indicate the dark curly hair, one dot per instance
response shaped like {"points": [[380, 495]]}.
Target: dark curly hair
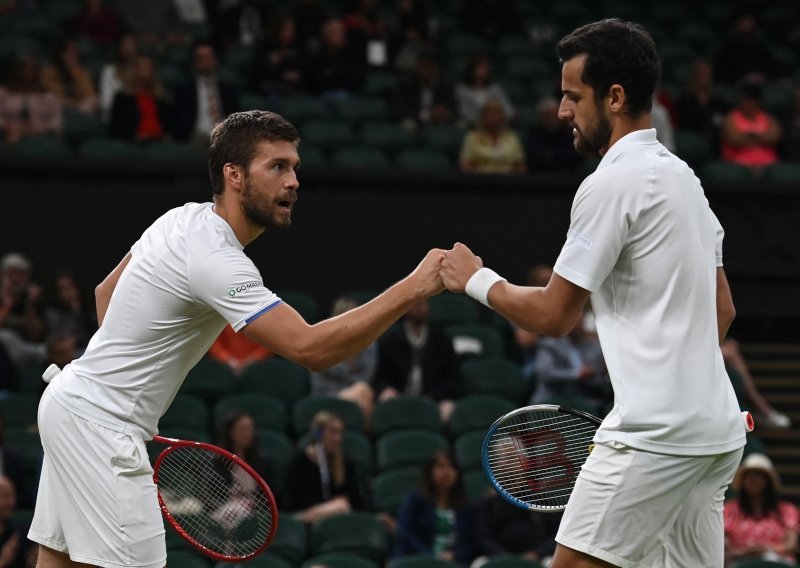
{"points": [[617, 52]]}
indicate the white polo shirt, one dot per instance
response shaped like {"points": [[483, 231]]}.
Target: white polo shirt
{"points": [[644, 242], [188, 276]]}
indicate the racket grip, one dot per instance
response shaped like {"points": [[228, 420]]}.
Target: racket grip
{"points": [[749, 423]]}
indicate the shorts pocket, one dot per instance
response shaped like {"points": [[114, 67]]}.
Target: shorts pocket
{"points": [[132, 479]]}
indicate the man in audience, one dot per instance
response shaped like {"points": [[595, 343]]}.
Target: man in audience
{"points": [[427, 95], [21, 308]]}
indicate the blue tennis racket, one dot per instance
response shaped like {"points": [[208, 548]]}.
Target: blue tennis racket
{"points": [[533, 455]]}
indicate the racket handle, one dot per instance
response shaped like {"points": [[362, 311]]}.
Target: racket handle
{"points": [[749, 423]]}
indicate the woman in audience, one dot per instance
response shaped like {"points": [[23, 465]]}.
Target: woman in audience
{"points": [[436, 519], [492, 147], [477, 87], [116, 76], [758, 524], [750, 135], [70, 313], [142, 113], [26, 108], [69, 80], [239, 436], [320, 480]]}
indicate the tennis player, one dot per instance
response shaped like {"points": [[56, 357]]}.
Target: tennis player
{"points": [[160, 310], [644, 245]]}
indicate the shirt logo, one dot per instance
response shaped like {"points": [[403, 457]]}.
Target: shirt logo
{"points": [[582, 240], [243, 288]]}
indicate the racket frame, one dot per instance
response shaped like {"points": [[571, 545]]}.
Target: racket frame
{"points": [[175, 444], [501, 421]]}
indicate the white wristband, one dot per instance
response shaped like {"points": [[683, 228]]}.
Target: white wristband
{"points": [[480, 283]]}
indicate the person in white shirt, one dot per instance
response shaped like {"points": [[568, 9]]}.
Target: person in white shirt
{"points": [[159, 311], [644, 245]]}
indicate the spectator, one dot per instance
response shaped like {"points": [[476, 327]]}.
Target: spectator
{"points": [[791, 148], [97, 22], [241, 22], [436, 520], [477, 87], [236, 350], [417, 359], [13, 544], [239, 436], [350, 380], [320, 480], [699, 108], [26, 108], [750, 135], [663, 125], [549, 141], [153, 22], [426, 96], [21, 308], [70, 313], [571, 366], [278, 61], [744, 54], [492, 147], [334, 71], [528, 341], [504, 529], [69, 80], [308, 15], [367, 32], [116, 76], [411, 34], [758, 523], [204, 100], [142, 113]]}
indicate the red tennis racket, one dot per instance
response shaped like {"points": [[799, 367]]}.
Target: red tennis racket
{"points": [[215, 501]]}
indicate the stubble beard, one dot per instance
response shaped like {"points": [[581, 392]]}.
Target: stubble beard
{"points": [[260, 213], [590, 143]]}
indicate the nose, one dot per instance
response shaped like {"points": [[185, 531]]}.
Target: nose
{"points": [[291, 180], [565, 110]]}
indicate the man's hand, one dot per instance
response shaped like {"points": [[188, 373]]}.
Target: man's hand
{"points": [[426, 276], [458, 266]]}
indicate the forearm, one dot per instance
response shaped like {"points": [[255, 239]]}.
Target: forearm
{"points": [[532, 309]]}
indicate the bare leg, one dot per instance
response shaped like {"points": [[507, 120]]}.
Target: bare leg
{"points": [[571, 558], [49, 558]]}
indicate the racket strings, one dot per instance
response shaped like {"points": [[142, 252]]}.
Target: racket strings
{"points": [[537, 455], [215, 501]]}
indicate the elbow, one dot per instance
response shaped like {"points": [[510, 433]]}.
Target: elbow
{"points": [[559, 324], [311, 358], [728, 314]]}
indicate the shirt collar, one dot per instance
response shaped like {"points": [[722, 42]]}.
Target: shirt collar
{"points": [[637, 137]]}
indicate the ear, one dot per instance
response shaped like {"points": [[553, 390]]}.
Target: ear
{"points": [[233, 176], [616, 98]]}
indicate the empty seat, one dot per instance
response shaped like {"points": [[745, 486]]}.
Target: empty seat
{"points": [[298, 108], [476, 340], [359, 533], [360, 158], [420, 561], [408, 447], [423, 160], [719, 170], [340, 560], [278, 378], [468, 449], [498, 376], [209, 379], [404, 412], [478, 412], [360, 109], [291, 540], [186, 411], [19, 410], [388, 136], [448, 308], [390, 487], [328, 134]]}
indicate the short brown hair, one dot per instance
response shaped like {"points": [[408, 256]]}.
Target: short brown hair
{"points": [[234, 140]]}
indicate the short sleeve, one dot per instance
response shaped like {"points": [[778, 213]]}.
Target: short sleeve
{"points": [[720, 235], [229, 283], [599, 226]]}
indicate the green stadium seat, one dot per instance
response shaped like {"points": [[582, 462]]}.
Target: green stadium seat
{"points": [[266, 560], [692, 147], [79, 126], [19, 410], [257, 101], [719, 170], [380, 83], [476, 340], [478, 412], [754, 445], [238, 57], [408, 447], [186, 411], [360, 109], [465, 44], [340, 560], [498, 376], [186, 559], [468, 448], [787, 172], [387, 136], [420, 561], [176, 153], [444, 137], [312, 157], [358, 533], [526, 68], [209, 379], [27, 444], [299, 108], [756, 563], [268, 412], [423, 160], [41, 147], [360, 158], [511, 46], [390, 487], [291, 540], [448, 309], [305, 409], [305, 304], [511, 561], [21, 518], [328, 134], [404, 412], [476, 484], [111, 149], [278, 378]]}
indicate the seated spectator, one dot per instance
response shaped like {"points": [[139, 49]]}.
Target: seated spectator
{"points": [[97, 22], [278, 62], [69, 80], [350, 380], [204, 100], [426, 96], [320, 480], [308, 16], [436, 519], [14, 547], [367, 31], [411, 34], [758, 523], [699, 108], [528, 341], [791, 128], [142, 113], [492, 147], [21, 307], [70, 312], [238, 22], [549, 141], [477, 87], [750, 135], [571, 366], [745, 53], [236, 350], [502, 528], [116, 76], [26, 108], [239, 436], [334, 70], [416, 358]]}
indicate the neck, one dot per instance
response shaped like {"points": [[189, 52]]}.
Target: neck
{"points": [[624, 126], [245, 230]]}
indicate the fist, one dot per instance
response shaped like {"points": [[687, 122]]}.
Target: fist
{"points": [[426, 275], [458, 266]]}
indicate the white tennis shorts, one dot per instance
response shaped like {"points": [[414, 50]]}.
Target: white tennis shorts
{"points": [[638, 509], [97, 500]]}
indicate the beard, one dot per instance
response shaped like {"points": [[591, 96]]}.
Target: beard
{"points": [[261, 213], [591, 142]]}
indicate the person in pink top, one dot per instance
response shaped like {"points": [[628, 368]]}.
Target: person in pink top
{"points": [[758, 524], [750, 135]]}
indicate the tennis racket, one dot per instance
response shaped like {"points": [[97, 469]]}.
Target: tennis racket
{"points": [[214, 500], [533, 455]]}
